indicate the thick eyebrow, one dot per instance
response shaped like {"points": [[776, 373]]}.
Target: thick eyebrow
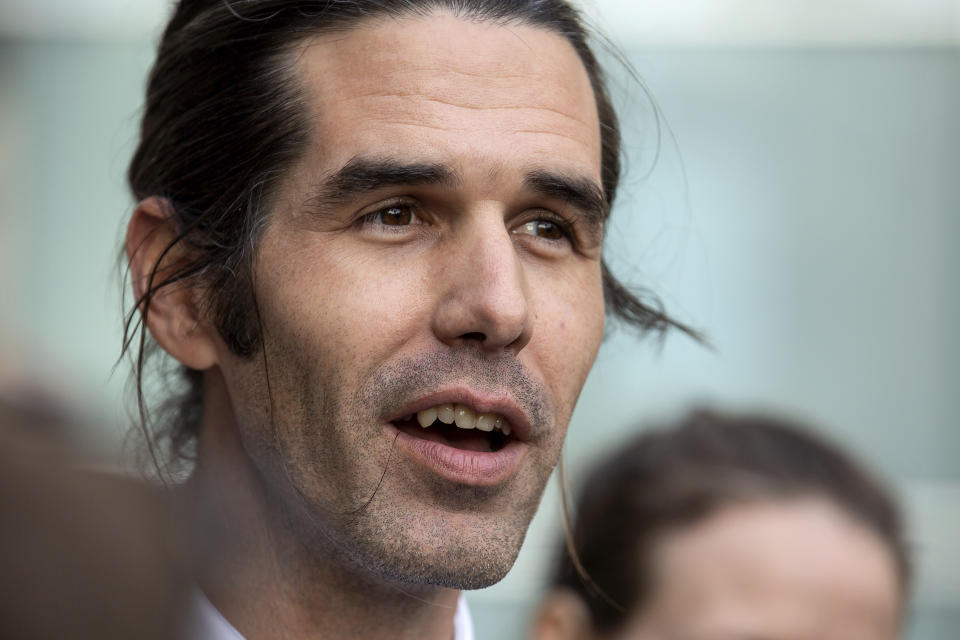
{"points": [[364, 174], [582, 193]]}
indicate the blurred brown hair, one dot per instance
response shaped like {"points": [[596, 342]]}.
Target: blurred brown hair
{"points": [[670, 478]]}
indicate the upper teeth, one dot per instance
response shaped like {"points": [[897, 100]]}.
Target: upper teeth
{"points": [[464, 417]]}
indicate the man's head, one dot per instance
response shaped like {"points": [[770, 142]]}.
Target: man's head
{"points": [[731, 527], [353, 214]]}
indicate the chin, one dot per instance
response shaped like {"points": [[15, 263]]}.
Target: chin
{"points": [[456, 566], [476, 574]]}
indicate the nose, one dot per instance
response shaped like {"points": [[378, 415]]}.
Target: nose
{"points": [[486, 299]]}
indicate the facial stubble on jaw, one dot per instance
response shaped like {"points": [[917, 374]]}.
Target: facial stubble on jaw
{"points": [[400, 523]]}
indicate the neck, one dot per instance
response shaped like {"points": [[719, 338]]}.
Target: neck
{"points": [[259, 572]]}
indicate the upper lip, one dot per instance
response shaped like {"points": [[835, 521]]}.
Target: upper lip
{"points": [[478, 402]]}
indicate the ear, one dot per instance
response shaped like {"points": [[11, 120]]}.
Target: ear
{"points": [[172, 314], [562, 615]]}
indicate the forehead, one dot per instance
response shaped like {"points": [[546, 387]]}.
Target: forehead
{"points": [[798, 569], [466, 92]]}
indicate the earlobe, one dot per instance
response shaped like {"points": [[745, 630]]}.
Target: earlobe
{"points": [[171, 313], [562, 616]]}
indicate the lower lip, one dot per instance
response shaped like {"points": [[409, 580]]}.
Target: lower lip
{"points": [[476, 468]]}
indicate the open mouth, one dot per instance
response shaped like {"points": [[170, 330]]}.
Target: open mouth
{"points": [[458, 426]]}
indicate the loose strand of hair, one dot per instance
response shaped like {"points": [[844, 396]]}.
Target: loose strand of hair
{"points": [[143, 422], [386, 467], [571, 546]]}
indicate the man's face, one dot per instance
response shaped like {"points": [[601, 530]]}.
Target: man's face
{"points": [[438, 245]]}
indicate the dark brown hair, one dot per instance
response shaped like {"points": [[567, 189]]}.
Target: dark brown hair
{"points": [[666, 479], [225, 118]]}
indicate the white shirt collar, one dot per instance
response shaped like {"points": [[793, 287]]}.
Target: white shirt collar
{"points": [[462, 621], [205, 622]]}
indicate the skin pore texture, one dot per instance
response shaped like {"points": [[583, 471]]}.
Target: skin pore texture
{"points": [[793, 570], [465, 277]]}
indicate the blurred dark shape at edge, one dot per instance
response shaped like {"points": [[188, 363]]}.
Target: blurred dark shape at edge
{"points": [[83, 553]]}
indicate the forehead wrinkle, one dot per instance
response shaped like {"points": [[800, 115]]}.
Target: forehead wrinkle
{"points": [[524, 93], [541, 132], [579, 138], [413, 101], [576, 130], [416, 123], [463, 105], [377, 106], [458, 72]]}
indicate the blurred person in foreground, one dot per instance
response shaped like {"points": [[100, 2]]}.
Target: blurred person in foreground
{"points": [[370, 233], [85, 554], [730, 528]]}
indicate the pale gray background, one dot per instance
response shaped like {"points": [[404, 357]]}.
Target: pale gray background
{"points": [[805, 215]]}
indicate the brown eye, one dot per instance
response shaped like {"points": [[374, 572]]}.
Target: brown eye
{"points": [[546, 229], [397, 215], [549, 230]]}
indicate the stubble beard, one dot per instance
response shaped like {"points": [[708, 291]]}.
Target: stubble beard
{"points": [[385, 517]]}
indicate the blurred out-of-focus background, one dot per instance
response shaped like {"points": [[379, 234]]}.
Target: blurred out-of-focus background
{"points": [[792, 189]]}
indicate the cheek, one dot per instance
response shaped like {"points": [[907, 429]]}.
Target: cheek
{"points": [[568, 329], [343, 307]]}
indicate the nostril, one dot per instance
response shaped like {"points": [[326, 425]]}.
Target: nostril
{"points": [[474, 335]]}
